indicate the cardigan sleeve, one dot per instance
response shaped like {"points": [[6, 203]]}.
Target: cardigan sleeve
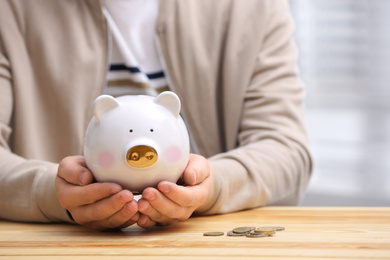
{"points": [[27, 191], [271, 164]]}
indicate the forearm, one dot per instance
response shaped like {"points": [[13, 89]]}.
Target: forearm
{"points": [[263, 173], [27, 190]]}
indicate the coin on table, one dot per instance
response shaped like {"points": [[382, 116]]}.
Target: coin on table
{"points": [[213, 233], [279, 228], [243, 230], [256, 234], [232, 234], [267, 230]]}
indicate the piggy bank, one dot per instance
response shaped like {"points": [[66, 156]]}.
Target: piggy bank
{"points": [[137, 141]]}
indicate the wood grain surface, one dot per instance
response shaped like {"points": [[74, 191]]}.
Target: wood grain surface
{"points": [[311, 233]]}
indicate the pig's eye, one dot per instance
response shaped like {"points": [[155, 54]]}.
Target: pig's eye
{"points": [[151, 130], [131, 130]]}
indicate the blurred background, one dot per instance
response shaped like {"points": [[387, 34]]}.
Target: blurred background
{"points": [[344, 48]]}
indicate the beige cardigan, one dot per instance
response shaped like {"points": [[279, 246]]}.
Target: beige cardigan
{"points": [[231, 62]]}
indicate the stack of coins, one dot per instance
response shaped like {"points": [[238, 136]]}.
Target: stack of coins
{"points": [[240, 231], [249, 231]]}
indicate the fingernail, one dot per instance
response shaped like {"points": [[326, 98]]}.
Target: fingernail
{"points": [[115, 190], [83, 177], [193, 175], [150, 196], [164, 187], [132, 206], [125, 199], [143, 206]]}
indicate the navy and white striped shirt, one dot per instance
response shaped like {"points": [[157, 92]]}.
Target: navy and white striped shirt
{"points": [[135, 66]]}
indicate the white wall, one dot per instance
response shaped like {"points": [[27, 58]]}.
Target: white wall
{"points": [[345, 62]]}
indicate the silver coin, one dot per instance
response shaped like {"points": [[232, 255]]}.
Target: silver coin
{"points": [[279, 228]]}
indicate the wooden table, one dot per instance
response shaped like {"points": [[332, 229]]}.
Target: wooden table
{"points": [[311, 233]]}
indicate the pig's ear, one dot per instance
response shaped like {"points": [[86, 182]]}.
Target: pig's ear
{"points": [[170, 101], [102, 104]]}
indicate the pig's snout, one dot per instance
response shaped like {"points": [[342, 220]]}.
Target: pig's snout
{"points": [[141, 156]]}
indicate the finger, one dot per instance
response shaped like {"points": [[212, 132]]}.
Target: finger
{"points": [[185, 196], [73, 169], [102, 209], [71, 196], [161, 209], [196, 171], [125, 217], [145, 222], [145, 208], [148, 195]]}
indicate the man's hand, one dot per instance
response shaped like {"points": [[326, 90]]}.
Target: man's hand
{"points": [[98, 205], [171, 202]]}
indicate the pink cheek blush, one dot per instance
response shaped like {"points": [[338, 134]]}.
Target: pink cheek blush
{"points": [[106, 159], [173, 154]]}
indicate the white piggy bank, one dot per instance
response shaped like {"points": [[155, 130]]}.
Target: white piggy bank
{"points": [[137, 141]]}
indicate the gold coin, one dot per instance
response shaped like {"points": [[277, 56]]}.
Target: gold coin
{"points": [[256, 234], [267, 230], [242, 230], [265, 233], [277, 228], [213, 233], [232, 234]]}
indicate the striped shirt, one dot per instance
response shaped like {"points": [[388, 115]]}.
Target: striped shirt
{"points": [[134, 60]]}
